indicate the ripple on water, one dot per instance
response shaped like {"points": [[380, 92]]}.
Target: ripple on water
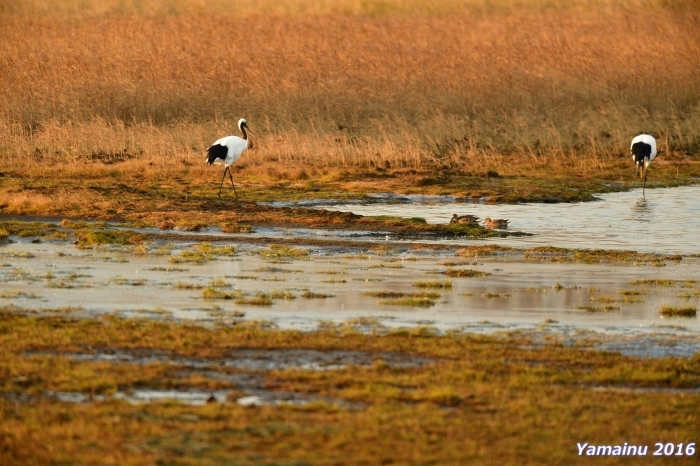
{"points": [[666, 220]]}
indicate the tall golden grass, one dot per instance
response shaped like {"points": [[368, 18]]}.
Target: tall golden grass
{"points": [[467, 85]]}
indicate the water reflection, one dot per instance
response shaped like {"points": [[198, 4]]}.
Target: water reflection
{"points": [[665, 221], [641, 210]]}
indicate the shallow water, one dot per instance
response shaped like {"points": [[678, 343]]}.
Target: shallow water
{"points": [[58, 277], [666, 220]]}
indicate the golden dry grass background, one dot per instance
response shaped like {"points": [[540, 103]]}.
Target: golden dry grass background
{"points": [[467, 85]]}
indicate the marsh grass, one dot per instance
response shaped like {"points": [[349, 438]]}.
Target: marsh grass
{"points": [[231, 227], [313, 295], [665, 282], [606, 308], [217, 293], [465, 273], [678, 311], [283, 251], [400, 294], [409, 302], [278, 294], [484, 386], [218, 283], [596, 256], [203, 252], [27, 229], [433, 284], [125, 281], [604, 299], [187, 286], [10, 294], [89, 237], [356, 96], [16, 253], [260, 299]]}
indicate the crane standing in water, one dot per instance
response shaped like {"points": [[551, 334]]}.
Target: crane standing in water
{"points": [[643, 150]]}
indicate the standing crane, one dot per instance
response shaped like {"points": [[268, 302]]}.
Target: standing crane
{"points": [[226, 151], [643, 150]]}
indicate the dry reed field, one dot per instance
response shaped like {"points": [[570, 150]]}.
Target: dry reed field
{"points": [[464, 85]]}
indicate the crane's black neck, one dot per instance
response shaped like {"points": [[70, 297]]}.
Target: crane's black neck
{"points": [[245, 135]]}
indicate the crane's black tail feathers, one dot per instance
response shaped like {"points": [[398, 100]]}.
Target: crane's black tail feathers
{"points": [[217, 151]]}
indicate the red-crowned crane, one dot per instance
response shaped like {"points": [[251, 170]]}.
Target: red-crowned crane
{"points": [[226, 151], [643, 150]]}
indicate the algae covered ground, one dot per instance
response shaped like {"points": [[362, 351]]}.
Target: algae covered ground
{"points": [[466, 400], [132, 306], [81, 386]]}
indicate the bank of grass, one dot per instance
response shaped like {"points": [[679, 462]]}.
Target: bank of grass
{"points": [[506, 101], [479, 401], [595, 256], [678, 311]]}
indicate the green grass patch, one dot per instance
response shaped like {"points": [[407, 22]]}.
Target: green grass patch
{"points": [[89, 238], [202, 253], [400, 220], [217, 293], [233, 227], [486, 250], [433, 284], [27, 229], [596, 256]]}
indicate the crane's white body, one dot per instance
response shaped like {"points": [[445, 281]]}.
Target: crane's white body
{"points": [[235, 146], [227, 150]]}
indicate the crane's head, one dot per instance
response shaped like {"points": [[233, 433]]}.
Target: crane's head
{"points": [[242, 123]]}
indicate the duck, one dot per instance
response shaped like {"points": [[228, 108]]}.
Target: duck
{"points": [[496, 224], [465, 219]]}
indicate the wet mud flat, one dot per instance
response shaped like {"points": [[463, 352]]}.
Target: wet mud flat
{"points": [[148, 347], [144, 391]]}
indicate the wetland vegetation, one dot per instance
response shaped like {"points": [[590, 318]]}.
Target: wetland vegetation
{"points": [[106, 109], [418, 96], [452, 395]]}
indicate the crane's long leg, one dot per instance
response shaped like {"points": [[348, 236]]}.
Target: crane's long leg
{"points": [[222, 181], [234, 187], [644, 183]]}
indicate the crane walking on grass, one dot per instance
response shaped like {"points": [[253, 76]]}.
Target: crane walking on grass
{"points": [[643, 150], [226, 151]]}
